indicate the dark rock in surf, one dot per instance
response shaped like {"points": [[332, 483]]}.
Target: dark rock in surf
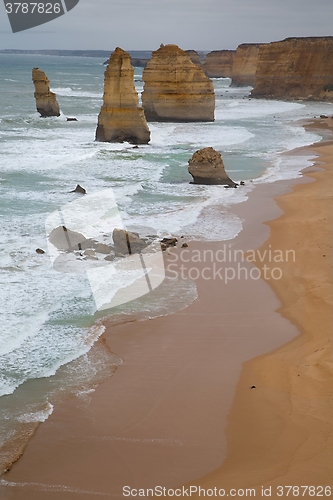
{"points": [[206, 167], [79, 189]]}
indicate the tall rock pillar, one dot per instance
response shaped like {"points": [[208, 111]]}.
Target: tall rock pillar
{"points": [[46, 101], [121, 119]]}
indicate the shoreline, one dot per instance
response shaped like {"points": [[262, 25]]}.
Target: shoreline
{"points": [[115, 341], [289, 415]]}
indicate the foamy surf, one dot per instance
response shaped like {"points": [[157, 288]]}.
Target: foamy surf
{"points": [[55, 348]]}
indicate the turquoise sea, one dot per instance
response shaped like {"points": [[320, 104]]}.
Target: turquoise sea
{"points": [[48, 323]]}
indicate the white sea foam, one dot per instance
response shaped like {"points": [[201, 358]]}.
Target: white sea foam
{"points": [[46, 315], [69, 92], [197, 134], [38, 416]]}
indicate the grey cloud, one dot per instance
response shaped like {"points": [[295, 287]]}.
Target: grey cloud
{"points": [[198, 24]]}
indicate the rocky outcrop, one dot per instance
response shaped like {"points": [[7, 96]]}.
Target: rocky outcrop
{"points": [[79, 189], [245, 65], [194, 56], [126, 242], [121, 119], [296, 68], [175, 89], [206, 167], [46, 101], [218, 63], [66, 239]]}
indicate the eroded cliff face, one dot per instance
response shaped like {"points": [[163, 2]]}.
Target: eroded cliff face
{"points": [[218, 63], [296, 68], [245, 65], [175, 89], [46, 101], [194, 56], [121, 119]]}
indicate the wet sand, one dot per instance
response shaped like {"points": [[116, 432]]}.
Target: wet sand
{"points": [[160, 420]]}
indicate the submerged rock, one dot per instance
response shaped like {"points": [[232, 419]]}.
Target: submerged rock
{"points": [[121, 119], [206, 167], [176, 89], [46, 101], [79, 189], [168, 242]]}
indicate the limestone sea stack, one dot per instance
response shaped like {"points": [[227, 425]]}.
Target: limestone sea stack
{"points": [[245, 65], [46, 101], [218, 63], [206, 167], [176, 89], [296, 68], [194, 56], [121, 119]]}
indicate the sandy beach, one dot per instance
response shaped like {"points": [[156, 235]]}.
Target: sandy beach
{"points": [[242, 376], [281, 433]]}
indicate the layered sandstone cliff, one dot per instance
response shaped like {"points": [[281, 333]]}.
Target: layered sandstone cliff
{"points": [[296, 68], [245, 65], [46, 101], [175, 89], [194, 56], [121, 119], [218, 63], [206, 167]]}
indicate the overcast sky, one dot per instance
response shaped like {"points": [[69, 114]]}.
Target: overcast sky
{"points": [[191, 24]]}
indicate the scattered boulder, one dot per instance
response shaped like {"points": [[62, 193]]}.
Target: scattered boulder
{"points": [[176, 89], [109, 258], [87, 243], [69, 119], [89, 253], [79, 189], [65, 239], [184, 245], [126, 242], [206, 167], [46, 101], [102, 248], [168, 242], [121, 119], [40, 251]]}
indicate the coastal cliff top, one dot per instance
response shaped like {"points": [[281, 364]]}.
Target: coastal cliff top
{"points": [[306, 39]]}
